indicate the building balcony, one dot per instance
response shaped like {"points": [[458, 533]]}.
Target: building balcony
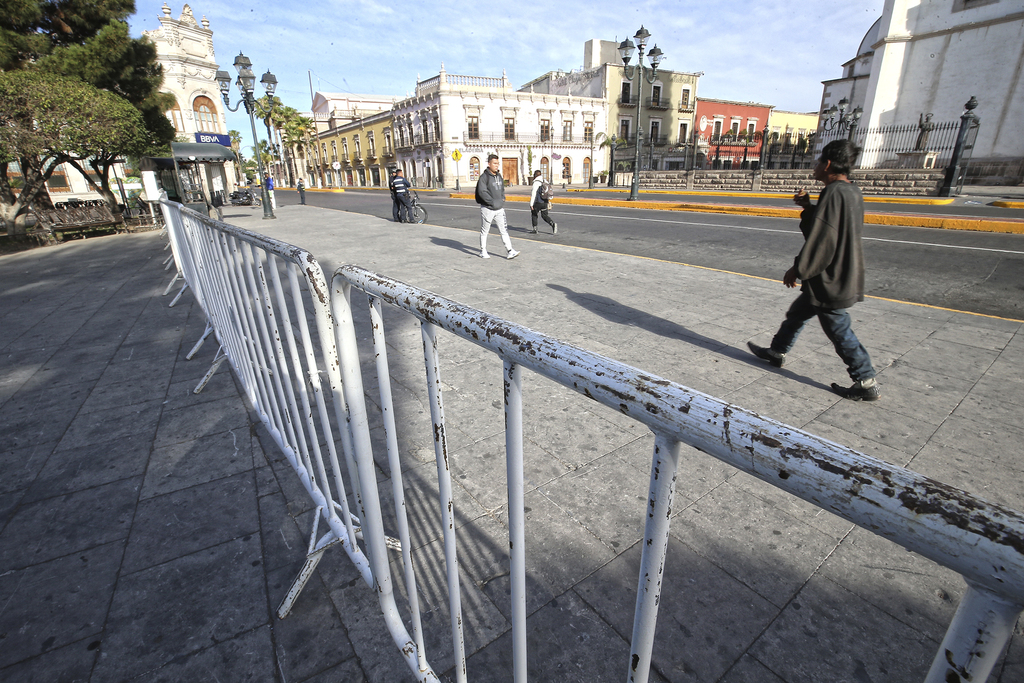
{"points": [[686, 106], [657, 103], [626, 102]]}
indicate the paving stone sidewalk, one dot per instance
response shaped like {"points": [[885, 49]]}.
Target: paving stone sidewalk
{"points": [[148, 533]]}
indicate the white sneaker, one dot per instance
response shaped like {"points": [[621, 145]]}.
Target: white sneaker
{"points": [[512, 254], [484, 254]]}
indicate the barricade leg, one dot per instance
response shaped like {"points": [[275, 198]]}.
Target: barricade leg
{"points": [[218, 359], [978, 634], [652, 561], [178, 296], [174, 279], [516, 514], [444, 485], [313, 555], [206, 333], [380, 348]]}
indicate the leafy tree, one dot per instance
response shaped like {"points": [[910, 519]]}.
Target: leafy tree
{"points": [[46, 120], [87, 40], [32, 29]]}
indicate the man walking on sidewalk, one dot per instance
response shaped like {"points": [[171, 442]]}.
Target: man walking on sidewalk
{"points": [[490, 195], [539, 202], [830, 267]]}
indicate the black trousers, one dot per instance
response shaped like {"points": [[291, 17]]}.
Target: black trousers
{"points": [[543, 214]]}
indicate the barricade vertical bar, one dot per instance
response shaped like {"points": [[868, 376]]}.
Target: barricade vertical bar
{"points": [[976, 637], [395, 464], [299, 382], [325, 329], [652, 560], [444, 485], [516, 515]]}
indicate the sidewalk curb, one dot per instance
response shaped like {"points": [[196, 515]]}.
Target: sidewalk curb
{"points": [[910, 220]]}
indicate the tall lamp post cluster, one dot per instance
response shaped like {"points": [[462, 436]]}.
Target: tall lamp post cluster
{"points": [[655, 56], [841, 120], [246, 83]]}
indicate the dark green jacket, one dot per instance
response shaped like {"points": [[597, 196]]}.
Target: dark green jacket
{"points": [[831, 263]]}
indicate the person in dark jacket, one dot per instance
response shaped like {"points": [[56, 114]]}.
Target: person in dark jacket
{"points": [[490, 195], [402, 200], [830, 267]]}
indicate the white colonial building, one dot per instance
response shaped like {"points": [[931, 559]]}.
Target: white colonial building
{"points": [[185, 50], [930, 57], [476, 116]]}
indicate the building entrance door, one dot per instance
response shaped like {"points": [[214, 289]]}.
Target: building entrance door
{"points": [[510, 171]]}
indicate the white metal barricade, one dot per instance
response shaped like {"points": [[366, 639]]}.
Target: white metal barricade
{"points": [[257, 294], [981, 541]]}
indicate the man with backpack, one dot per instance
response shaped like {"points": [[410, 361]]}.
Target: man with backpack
{"points": [[540, 200]]}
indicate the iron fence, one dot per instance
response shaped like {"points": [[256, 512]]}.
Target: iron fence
{"points": [[897, 146], [258, 292]]}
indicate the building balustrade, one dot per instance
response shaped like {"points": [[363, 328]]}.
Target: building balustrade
{"points": [[657, 103], [626, 102], [527, 138]]}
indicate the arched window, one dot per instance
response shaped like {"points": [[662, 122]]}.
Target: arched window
{"points": [[586, 169], [544, 168], [177, 120], [474, 168], [206, 114], [566, 168]]}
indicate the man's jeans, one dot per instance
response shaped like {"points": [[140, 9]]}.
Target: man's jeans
{"points": [[836, 324], [488, 216]]}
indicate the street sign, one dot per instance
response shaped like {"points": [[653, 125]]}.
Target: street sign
{"points": [[336, 165], [456, 155]]}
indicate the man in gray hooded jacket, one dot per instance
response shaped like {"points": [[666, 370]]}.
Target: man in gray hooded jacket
{"points": [[490, 195], [830, 268]]}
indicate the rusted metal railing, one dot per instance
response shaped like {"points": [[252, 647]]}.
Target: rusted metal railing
{"points": [[257, 294], [981, 541]]}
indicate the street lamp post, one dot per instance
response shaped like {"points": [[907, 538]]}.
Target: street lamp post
{"points": [[841, 120], [246, 83], [655, 56]]}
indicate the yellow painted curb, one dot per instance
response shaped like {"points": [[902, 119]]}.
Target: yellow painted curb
{"points": [[928, 201], [1008, 205], [910, 220]]}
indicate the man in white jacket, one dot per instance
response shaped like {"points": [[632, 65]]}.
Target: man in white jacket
{"points": [[540, 205]]}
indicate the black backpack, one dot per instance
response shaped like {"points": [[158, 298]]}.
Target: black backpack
{"points": [[546, 192]]}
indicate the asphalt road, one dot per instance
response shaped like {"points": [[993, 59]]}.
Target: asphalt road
{"points": [[975, 272]]}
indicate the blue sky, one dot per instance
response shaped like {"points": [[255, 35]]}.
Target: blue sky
{"points": [[773, 52]]}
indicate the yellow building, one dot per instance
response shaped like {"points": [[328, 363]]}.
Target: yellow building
{"points": [[791, 124], [357, 153]]}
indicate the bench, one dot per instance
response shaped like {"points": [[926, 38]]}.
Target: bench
{"points": [[53, 224]]}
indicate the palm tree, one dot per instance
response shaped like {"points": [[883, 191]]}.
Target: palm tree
{"points": [[296, 130], [236, 145], [269, 109], [611, 141]]}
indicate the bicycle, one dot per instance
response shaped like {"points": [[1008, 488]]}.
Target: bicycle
{"points": [[419, 214]]}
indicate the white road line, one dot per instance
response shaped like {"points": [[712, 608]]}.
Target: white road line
{"points": [[756, 229]]}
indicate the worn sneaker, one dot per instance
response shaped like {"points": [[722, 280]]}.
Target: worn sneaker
{"points": [[862, 390], [484, 254], [774, 357], [554, 228], [534, 231], [512, 254]]}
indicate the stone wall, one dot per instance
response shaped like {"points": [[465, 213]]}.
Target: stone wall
{"points": [[920, 183]]}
